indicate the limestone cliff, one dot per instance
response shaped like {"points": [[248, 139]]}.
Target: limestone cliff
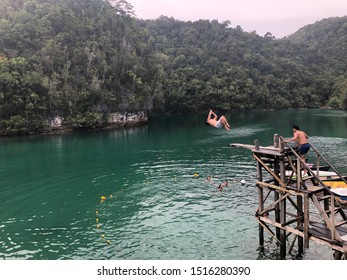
{"points": [[117, 119]]}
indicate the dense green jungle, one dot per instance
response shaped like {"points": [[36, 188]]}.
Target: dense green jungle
{"points": [[82, 60]]}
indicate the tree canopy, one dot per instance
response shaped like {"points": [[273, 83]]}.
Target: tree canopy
{"points": [[84, 59], [208, 64], [328, 39]]}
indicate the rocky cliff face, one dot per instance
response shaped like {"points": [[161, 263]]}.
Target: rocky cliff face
{"points": [[114, 120], [122, 119], [56, 123]]}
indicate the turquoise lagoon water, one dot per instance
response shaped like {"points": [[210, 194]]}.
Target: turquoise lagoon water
{"points": [[155, 207]]}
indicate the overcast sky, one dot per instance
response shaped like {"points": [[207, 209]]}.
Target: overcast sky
{"points": [[280, 17]]}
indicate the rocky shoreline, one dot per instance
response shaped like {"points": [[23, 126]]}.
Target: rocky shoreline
{"points": [[58, 125], [117, 119]]}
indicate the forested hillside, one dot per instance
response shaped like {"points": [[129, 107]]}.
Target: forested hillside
{"points": [[85, 59], [328, 38], [78, 59], [208, 64]]}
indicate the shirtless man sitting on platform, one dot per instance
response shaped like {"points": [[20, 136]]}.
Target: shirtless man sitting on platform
{"points": [[302, 139], [212, 120]]}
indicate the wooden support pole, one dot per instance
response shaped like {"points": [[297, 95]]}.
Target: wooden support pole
{"points": [[283, 210], [332, 217], [300, 212], [292, 244], [276, 141], [279, 188], [306, 220], [256, 145], [298, 174], [337, 255], [260, 203], [281, 145], [277, 179], [326, 201], [317, 165], [268, 229], [272, 206], [276, 197]]}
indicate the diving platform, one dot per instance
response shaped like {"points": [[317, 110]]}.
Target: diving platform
{"points": [[296, 208]]}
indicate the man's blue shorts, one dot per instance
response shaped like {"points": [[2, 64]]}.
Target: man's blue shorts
{"points": [[304, 148]]}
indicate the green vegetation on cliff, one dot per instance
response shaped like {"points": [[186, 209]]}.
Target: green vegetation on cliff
{"points": [[84, 59], [78, 59]]}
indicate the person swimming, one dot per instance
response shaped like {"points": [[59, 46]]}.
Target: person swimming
{"points": [[224, 184]]}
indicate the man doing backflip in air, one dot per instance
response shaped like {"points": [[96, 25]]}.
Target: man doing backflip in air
{"points": [[212, 119]]}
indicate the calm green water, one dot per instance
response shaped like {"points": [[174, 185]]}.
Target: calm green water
{"points": [[51, 186]]}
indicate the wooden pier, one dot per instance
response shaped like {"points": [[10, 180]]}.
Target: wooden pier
{"points": [[294, 208]]}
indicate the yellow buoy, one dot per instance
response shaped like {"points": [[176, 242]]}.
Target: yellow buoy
{"points": [[96, 212], [111, 195], [196, 175], [102, 198], [108, 242], [102, 236], [98, 226], [97, 220]]}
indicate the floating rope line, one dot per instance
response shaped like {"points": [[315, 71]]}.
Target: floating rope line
{"points": [[103, 199]]}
